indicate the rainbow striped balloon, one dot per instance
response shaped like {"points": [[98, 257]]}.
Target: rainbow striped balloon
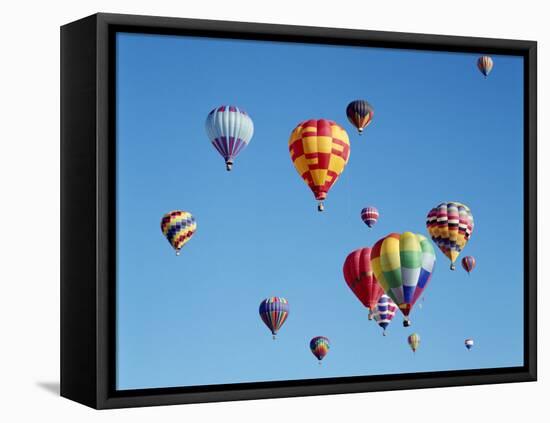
{"points": [[369, 216], [178, 227], [384, 312], [319, 346], [274, 312]]}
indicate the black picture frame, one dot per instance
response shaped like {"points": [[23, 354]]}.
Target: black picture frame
{"points": [[88, 237]]}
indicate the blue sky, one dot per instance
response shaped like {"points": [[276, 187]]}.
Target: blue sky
{"points": [[441, 132]]}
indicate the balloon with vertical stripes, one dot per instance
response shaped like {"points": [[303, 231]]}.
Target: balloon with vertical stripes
{"points": [[230, 129], [274, 312], [360, 114], [319, 346], [485, 65]]}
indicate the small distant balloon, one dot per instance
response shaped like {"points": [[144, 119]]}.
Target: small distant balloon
{"points": [[274, 312], [468, 263], [384, 312], [319, 347], [360, 114], [370, 216], [485, 65], [414, 341], [469, 343], [178, 227]]}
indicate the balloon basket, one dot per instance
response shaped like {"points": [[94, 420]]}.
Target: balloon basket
{"points": [[453, 267], [228, 166], [177, 252], [320, 206]]}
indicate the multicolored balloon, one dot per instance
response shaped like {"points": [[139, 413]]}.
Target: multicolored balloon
{"points": [[370, 216], [469, 343], [468, 263], [274, 312], [485, 65], [360, 114], [230, 129], [384, 312], [403, 264], [178, 227], [360, 278], [414, 341], [319, 346], [320, 150], [450, 225]]}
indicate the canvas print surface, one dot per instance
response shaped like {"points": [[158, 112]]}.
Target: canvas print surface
{"points": [[292, 211]]}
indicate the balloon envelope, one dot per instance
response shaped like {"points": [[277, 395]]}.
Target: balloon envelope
{"points": [[178, 227], [319, 150], [370, 216], [274, 312], [485, 65], [319, 346], [230, 129], [469, 343], [360, 277], [468, 263], [384, 312], [360, 114], [450, 225], [403, 265], [414, 341]]}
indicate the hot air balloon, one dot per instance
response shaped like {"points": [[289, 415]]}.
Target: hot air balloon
{"points": [[319, 346], [369, 216], [468, 263], [403, 265], [320, 151], [469, 343], [384, 312], [230, 129], [485, 65], [274, 312], [414, 341], [450, 225], [359, 277], [360, 114], [178, 227]]}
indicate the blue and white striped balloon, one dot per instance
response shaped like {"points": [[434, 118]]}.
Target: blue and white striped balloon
{"points": [[230, 129], [469, 343]]}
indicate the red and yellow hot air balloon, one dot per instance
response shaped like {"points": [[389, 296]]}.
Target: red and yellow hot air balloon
{"points": [[319, 149], [361, 280]]}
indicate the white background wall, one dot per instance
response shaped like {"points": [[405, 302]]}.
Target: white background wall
{"points": [[29, 208]]}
